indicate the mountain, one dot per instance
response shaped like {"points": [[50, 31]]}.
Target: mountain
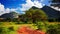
{"points": [[9, 15], [51, 13]]}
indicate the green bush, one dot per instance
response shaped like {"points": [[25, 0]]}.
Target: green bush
{"points": [[58, 29], [5, 30], [41, 25], [11, 28], [15, 20], [52, 29], [19, 22]]}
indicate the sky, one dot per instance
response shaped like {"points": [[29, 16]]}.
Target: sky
{"points": [[19, 6]]}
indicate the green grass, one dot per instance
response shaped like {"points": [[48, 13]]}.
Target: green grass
{"points": [[16, 26]]}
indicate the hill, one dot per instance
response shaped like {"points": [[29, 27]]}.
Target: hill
{"points": [[9, 15]]}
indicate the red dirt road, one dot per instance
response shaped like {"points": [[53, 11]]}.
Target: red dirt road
{"points": [[27, 30]]}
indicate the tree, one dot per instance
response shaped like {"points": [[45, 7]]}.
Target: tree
{"points": [[35, 15]]}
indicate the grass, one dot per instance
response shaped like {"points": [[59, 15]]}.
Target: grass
{"points": [[16, 26], [9, 24]]}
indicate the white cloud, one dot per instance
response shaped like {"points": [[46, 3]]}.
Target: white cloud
{"points": [[5, 10], [38, 4], [13, 9], [26, 6], [29, 4], [56, 8], [1, 7], [59, 9]]}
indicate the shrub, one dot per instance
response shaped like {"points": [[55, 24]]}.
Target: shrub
{"points": [[58, 29], [19, 22], [4, 30], [52, 29], [41, 25], [11, 28]]}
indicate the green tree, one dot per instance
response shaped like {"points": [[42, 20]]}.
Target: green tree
{"points": [[36, 15]]}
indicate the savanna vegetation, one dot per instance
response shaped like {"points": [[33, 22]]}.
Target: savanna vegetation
{"points": [[33, 18]]}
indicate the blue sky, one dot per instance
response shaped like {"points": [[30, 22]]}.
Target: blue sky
{"points": [[20, 5], [15, 3], [11, 3]]}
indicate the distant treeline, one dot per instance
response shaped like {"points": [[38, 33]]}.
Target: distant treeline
{"points": [[25, 20], [54, 20]]}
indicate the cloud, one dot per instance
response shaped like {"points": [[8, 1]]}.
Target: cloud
{"points": [[29, 4], [26, 6], [5, 10], [56, 8], [38, 4], [1, 7]]}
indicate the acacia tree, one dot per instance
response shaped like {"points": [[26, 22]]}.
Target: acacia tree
{"points": [[37, 16]]}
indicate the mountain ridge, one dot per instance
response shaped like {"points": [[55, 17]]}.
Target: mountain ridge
{"points": [[52, 13]]}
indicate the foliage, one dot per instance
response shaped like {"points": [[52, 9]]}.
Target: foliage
{"points": [[52, 29], [15, 20], [7, 30], [42, 26], [35, 15], [4, 30], [58, 29], [38, 17], [11, 28]]}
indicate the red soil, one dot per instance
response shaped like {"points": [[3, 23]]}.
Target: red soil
{"points": [[27, 30]]}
